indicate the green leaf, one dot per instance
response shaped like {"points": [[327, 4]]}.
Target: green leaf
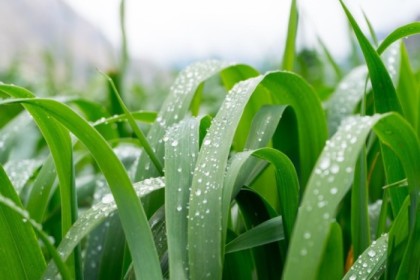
{"points": [[96, 215], [292, 27], [146, 145], [205, 224], [20, 253], [360, 229], [336, 164], [346, 97], [59, 143], [177, 104], [371, 264], [266, 232], [408, 89], [384, 92], [132, 214], [181, 150], [399, 33], [332, 260]]}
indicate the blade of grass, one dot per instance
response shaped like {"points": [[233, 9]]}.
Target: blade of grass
{"points": [[346, 97], [290, 89], [38, 197], [332, 260], [371, 264], [204, 224], [266, 232], [384, 91], [371, 29], [360, 228], [95, 216], [386, 100], [407, 89], [181, 150], [132, 214], [320, 203], [59, 143], [289, 50], [399, 33], [146, 145], [21, 255], [255, 210], [178, 102], [330, 59]]}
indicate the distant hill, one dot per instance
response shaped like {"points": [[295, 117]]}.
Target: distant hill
{"points": [[31, 28], [35, 33]]}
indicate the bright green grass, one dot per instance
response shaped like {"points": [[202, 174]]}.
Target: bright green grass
{"points": [[282, 182]]}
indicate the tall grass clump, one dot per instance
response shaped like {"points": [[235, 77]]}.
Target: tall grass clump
{"points": [[284, 181]]}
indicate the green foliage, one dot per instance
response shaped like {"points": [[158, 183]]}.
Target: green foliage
{"points": [[284, 179]]}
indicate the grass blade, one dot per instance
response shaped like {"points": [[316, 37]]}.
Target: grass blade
{"points": [[59, 143], [146, 145], [264, 233], [181, 150], [95, 216], [371, 29], [332, 260], [399, 33], [204, 222], [360, 228], [290, 89], [384, 91], [371, 264], [177, 104], [21, 256], [132, 214], [323, 194], [289, 50]]}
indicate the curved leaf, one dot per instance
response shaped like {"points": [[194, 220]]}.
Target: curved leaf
{"points": [[266, 232], [132, 214]]}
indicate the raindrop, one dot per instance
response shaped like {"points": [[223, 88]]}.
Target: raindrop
{"points": [[325, 163], [335, 168], [207, 142], [179, 208], [333, 190], [371, 253], [174, 143]]}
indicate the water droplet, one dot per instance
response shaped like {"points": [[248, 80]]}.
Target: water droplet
{"points": [[107, 198], [335, 168], [179, 208], [371, 253], [325, 163], [303, 252], [333, 190], [207, 142], [198, 192], [307, 235], [174, 143]]}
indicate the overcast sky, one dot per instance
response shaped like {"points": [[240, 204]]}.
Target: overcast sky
{"points": [[235, 30]]}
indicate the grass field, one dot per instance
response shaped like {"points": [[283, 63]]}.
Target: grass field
{"points": [[293, 175]]}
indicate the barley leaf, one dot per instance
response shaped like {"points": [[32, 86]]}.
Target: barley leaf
{"points": [[266, 232], [132, 214], [370, 264], [336, 164], [399, 33], [181, 150], [21, 256]]}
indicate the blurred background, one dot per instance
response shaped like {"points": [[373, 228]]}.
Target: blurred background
{"points": [[57, 46]]}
